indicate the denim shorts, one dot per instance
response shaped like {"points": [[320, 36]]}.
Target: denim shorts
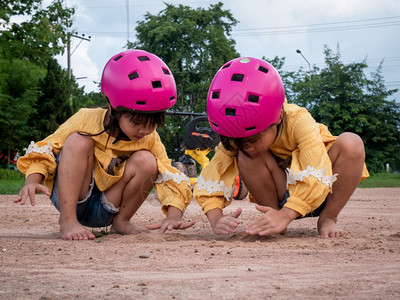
{"points": [[94, 210], [314, 213]]}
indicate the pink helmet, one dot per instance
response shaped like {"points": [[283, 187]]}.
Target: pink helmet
{"points": [[245, 97], [138, 80]]}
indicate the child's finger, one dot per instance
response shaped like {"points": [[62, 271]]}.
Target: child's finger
{"points": [[17, 199], [187, 224], [24, 196], [31, 195], [154, 226], [262, 209], [237, 213], [44, 190]]}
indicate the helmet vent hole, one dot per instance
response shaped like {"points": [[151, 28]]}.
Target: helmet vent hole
{"points": [[230, 112], [166, 72], [250, 128], [141, 102], [133, 75], [253, 98], [156, 84], [118, 57], [215, 95], [237, 77], [214, 124], [143, 58], [226, 66], [172, 98], [263, 69]]}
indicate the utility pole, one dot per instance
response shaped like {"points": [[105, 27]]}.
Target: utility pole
{"points": [[127, 21], [69, 53]]}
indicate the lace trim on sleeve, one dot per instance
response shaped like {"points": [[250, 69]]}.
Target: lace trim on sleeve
{"points": [[34, 148], [293, 177], [176, 177], [215, 186]]}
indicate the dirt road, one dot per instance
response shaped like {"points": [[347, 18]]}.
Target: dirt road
{"points": [[196, 264]]}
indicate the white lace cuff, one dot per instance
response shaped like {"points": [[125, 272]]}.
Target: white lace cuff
{"points": [[34, 148], [176, 177], [215, 186], [293, 177]]}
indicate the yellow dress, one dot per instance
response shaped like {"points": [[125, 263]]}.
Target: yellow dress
{"points": [[173, 188], [309, 178]]}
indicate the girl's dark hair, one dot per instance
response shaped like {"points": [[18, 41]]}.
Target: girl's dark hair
{"points": [[240, 144], [147, 118], [237, 144], [111, 124]]}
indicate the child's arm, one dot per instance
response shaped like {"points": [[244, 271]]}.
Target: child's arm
{"points": [[33, 185], [213, 190], [172, 221], [223, 224], [271, 221]]}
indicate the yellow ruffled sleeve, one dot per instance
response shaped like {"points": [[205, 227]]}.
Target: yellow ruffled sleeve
{"points": [[172, 186], [309, 177], [215, 186], [38, 158]]}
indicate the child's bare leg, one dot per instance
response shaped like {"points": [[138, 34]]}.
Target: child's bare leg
{"points": [[347, 155], [131, 190], [74, 176], [264, 179]]}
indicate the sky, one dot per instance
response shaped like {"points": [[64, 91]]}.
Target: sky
{"points": [[362, 29]]}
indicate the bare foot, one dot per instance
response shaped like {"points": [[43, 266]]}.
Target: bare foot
{"points": [[327, 228], [74, 231], [126, 227]]}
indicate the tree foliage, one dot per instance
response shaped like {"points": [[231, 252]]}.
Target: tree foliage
{"points": [[42, 34], [345, 99], [194, 43], [55, 104], [27, 69]]}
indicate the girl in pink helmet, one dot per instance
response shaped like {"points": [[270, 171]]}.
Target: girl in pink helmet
{"points": [[100, 165], [292, 166]]}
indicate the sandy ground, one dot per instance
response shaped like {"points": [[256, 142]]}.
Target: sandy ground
{"points": [[196, 264]]}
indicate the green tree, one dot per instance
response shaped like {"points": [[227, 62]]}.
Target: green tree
{"points": [[41, 36], [194, 43], [345, 99], [25, 50], [55, 104], [18, 93]]}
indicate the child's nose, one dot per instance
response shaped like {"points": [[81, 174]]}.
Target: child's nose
{"points": [[145, 130]]}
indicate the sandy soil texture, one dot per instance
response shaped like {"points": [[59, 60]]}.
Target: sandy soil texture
{"points": [[196, 264]]}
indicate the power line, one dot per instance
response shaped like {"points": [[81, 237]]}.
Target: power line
{"points": [[304, 29]]}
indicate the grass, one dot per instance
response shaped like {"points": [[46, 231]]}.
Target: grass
{"points": [[12, 181], [381, 180]]}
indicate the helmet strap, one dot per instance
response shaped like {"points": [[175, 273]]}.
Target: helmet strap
{"points": [[121, 135]]}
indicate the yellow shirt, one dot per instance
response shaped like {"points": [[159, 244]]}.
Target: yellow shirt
{"points": [[173, 188], [309, 178]]}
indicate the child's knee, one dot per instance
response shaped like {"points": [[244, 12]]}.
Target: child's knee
{"points": [[79, 143], [353, 145], [144, 162]]}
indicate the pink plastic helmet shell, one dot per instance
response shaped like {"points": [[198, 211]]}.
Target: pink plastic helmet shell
{"points": [[245, 97], [138, 80]]}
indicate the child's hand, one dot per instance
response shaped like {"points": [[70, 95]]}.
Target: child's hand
{"points": [[29, 191], [224, 224], [172, 221], [272, 221]]}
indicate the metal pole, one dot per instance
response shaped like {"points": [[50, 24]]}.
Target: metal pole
{"points": [[69, 54], [309, 66]]}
